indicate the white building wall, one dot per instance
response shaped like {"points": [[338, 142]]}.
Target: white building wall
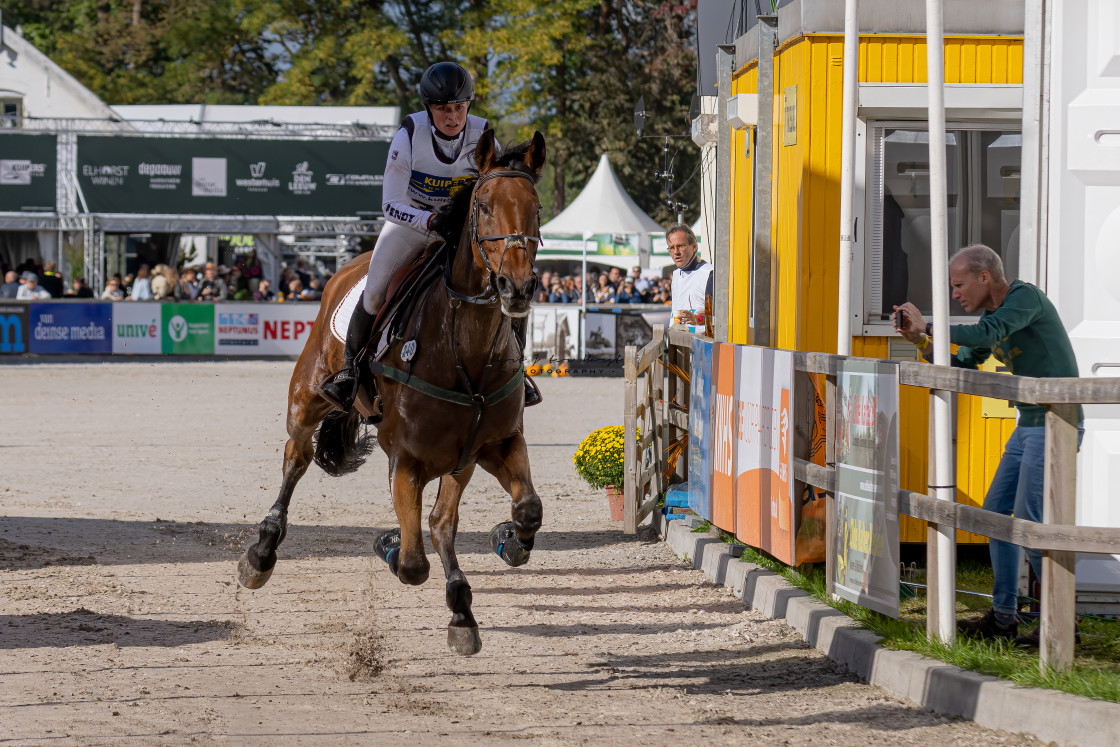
{"points": [[1083, 242], [46, 90]]}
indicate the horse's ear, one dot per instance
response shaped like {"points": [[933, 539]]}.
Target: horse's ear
{"points": [[484, 152], [534, 158]]}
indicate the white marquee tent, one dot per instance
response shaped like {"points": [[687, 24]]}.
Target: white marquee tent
{"points": [[604, 220]]}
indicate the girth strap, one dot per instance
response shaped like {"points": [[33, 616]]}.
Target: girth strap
{"points": [[447, 395]]}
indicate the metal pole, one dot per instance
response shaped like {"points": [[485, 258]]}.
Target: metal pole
{"points": [[848, 177], [942, 485]]}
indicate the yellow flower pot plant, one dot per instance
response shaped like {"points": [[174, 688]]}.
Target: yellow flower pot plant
{"points": [[599, 461]]}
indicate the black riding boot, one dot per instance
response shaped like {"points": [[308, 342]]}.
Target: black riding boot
{"points": [[532, 393], [341, 387]]}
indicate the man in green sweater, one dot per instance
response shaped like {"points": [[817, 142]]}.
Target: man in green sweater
{"points": [[1020, 326]]}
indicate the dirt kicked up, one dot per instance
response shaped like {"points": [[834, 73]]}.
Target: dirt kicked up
{"points": [[128, 491]]}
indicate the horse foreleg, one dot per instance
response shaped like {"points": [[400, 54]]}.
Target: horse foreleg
{"points": [[462, 631], [408, 492], [509, 463], [259, 560]]}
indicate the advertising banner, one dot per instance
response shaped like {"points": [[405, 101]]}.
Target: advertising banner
{"points": [[187, 329], [28, 173], [723, 419], [13, 328], [285, 327], [699, 413], [572, 246], [764, 487], [866, 541], [136, 328], [212, 176], [237, 329], [71, 328]]}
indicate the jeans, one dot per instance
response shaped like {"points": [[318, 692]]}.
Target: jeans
{"points": [[1017, 489]]}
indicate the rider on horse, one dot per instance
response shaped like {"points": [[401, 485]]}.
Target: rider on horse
{"points": [[431, 157]]}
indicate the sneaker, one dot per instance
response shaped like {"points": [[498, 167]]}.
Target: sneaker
{"points": [[988, 628], [1032, 639]]}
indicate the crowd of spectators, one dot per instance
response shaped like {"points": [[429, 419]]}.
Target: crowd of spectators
{"points": [[604, 286], [245, 281], [209, 282]]}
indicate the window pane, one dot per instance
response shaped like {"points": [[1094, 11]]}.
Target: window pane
{"points": [[906, 214], [999, 210], [983, 207]]}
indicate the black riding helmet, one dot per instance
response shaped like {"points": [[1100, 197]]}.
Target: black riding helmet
{"points": [[446, 83]]}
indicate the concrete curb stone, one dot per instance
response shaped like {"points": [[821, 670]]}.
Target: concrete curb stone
{"points": [[946, 689]]}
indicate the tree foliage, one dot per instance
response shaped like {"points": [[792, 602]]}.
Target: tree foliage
{"points": [[573, 69]]}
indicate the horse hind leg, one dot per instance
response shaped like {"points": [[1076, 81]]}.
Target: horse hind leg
{"points": [[462, 631]]}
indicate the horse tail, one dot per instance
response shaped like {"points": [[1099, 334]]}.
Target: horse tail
{"points": [[339, 449]]}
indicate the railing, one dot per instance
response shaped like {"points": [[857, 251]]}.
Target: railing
{"points": [[661, 417]]}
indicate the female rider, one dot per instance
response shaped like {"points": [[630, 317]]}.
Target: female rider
{"points": [[430, 158]]}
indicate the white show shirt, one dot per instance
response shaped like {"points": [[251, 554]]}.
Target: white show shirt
{"points": [[425, 169]]}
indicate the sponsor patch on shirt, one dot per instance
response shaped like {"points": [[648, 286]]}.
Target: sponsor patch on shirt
{"points": [[437, 187]]}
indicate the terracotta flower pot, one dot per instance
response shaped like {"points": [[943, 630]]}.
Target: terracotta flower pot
{"points": [[614, 498]]}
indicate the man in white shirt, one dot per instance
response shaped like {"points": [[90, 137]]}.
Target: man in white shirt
{"points": [[30, 289], [692, 280]]}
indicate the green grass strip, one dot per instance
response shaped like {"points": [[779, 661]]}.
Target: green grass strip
{"points": [[1095, 673]]}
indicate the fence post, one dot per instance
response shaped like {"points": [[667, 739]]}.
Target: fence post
{"points": [[630, 456], [655, 394], [1059, 506], [829, 497]]}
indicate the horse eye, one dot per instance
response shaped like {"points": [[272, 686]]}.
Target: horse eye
{"points": [[484, 208]]}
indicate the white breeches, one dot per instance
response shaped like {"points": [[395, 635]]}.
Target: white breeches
{"points": [[396, 247]]}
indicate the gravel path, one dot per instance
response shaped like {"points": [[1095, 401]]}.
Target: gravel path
{"points": [[130, 489]]}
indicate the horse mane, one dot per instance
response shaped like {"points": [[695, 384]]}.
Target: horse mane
{"points": [[451, 218]]}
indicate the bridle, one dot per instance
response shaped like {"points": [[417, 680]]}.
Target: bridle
{"points": [[522, 241]]}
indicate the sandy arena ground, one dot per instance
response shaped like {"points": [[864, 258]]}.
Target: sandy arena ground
{"points": [[129, 490]]}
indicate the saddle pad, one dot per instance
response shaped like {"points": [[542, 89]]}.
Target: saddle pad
{"points": [[340, 319]]}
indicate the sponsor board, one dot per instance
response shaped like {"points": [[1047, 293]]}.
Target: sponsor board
{"points": [[867, 458], [215, 176], [136, 328], [722, 436], [764, 485], [237, 329], [28, 167], [13, 328], [70, 328], [699, 412], [286, 327], [187, 329], [262, 329]]}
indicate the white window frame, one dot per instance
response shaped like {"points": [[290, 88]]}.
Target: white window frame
{"points": [[889, 105]]}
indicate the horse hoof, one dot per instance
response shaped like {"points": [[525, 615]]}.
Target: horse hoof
{"points": [[464, 641], [504, 543], [250, 577]]}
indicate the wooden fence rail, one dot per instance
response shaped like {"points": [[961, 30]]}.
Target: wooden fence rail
{"points": [[659, 414]]}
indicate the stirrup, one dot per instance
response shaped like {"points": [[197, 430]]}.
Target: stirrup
{"points": [[341, 388], [533, 394]]}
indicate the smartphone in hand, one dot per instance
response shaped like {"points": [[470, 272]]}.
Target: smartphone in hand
{"points": [[901, 320]]}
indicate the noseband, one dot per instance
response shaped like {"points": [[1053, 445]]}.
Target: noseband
{"points": [[522, 241]]}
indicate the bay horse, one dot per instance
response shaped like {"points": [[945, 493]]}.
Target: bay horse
{"points": [[445, 395]]}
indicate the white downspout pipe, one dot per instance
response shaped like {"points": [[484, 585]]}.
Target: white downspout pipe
{"points": [[848, 177], [944, 487]]}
